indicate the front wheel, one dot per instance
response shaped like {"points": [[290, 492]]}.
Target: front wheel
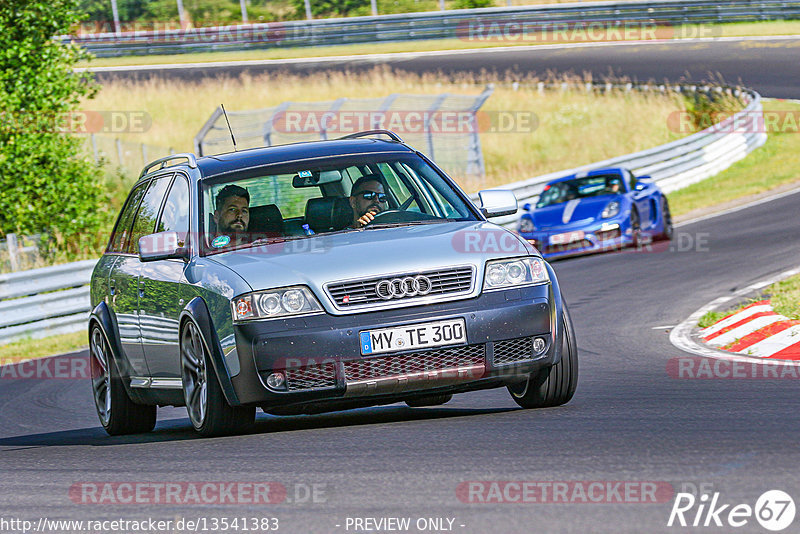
{"points": [[666, 217], [209, 412], [556, 384], [118, 414]]}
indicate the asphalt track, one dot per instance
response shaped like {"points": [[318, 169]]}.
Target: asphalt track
{"points": [[769, 65], [629, 420]]}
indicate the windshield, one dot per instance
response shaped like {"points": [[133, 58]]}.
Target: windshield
{"points": [[303, 199], [590, 186]]}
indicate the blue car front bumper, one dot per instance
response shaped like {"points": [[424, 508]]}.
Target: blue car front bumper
{"points": [[562, 242]]}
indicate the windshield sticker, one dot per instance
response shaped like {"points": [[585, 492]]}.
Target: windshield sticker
{"points": [[304, 174], [220, 241]]}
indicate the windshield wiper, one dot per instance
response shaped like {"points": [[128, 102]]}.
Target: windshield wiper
{"points": [[406, 223]]}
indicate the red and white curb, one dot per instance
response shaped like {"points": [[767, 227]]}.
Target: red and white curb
{"points": [[756, 330], [749, 331]]}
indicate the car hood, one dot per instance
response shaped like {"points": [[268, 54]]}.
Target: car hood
{"points": [[325, 258], [571, 213]]}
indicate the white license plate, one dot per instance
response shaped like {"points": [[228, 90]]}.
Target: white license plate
{"points": [[567, 237], [414, 336]]}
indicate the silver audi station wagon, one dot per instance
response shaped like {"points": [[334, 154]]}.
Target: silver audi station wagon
{"points": [[316, 277]]}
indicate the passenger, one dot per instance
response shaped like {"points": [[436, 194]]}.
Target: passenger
{"points": [[232, 214], [367, 198]]}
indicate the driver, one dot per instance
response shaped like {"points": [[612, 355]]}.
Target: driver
{"points": [[367, 198], [232, 215], [613, 186]]}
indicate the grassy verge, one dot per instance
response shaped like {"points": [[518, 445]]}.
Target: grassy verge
{"points": [[663, 33], [770, 166], [785, 296], [572, 126], [39, 348]]}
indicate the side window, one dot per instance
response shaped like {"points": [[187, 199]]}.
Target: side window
{"points": [[631, 180], [175, 215], [145, 221], [119, 241]]}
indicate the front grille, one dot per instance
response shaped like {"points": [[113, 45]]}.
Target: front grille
{"points": [[513, 350], [403, 364], [311, 376], [355, 293]]}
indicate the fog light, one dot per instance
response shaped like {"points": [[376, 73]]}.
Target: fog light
{"points": [[539, 344], [275, 380]]}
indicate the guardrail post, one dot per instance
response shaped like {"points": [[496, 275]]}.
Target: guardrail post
{"points": [[94, 148], [428, 134], [323, 133], [13, 253], [267, 133]]}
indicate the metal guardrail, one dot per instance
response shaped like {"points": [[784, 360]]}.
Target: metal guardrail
{"points": [[673, 165], [44, 302], [55, 300], [432, 25]]}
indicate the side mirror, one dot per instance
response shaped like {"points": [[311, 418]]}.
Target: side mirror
{"points": [[526, 206], [163, 246], [497, 202], [642, 182]]}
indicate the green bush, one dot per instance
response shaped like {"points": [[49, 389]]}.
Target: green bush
{"points": [[47, 184], [472, 4], [333, 8]]}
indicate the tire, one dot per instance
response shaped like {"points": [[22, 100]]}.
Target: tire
{"points": [[118, 414], [431, 400], [554, 385], [209, 412], [666, 217], [636, 229]]}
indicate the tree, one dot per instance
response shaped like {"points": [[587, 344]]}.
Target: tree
{"points": [[48, 184]]}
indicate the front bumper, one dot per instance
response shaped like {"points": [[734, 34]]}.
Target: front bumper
{"points": [[606, 236], [320, 355]]}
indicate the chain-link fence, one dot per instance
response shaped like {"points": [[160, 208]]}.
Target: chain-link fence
{"points": [[128, 156], [445, 127]]}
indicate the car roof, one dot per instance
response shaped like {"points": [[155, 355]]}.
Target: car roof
{"points": [[604, 170], [257, 157]]}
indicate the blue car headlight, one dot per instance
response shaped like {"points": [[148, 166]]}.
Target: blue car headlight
{"points": [[516, 272], [275, 303], [611, 210], [526, 226]]}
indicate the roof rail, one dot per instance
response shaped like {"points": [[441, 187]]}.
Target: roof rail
{"points": [[365, 133], [163, 161]]}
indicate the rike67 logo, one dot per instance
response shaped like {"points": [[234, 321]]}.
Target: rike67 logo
{"points": [[774, 510]]}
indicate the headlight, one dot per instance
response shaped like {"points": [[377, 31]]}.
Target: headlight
{"points": [[611, 210], [516, 272], [526, 226], [274, 303]]}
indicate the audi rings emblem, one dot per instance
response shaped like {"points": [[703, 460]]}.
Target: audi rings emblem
{"points": [[398, 288]]}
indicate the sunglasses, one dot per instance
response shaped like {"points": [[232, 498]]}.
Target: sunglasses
{"points": [[369, 195]]}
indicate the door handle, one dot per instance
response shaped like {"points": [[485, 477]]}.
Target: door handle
{"points": [[141, 288], [112, 286]]}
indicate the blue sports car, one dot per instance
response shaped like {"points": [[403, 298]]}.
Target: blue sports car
{"points": [[604, 209]]}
